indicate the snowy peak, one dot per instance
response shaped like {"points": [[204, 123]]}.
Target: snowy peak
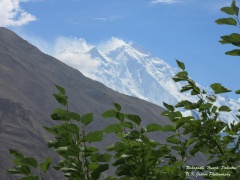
{"points": [[126, 52], [129, 69], [110, 45]]}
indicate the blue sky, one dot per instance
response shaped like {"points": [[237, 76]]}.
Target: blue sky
{"points": [[169, 29]]}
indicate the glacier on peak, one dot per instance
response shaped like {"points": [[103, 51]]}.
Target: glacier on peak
{"points": [[129, 69]]}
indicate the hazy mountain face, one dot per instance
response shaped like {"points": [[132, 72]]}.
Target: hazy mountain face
{"points": [[129, 69], [27, 78]]}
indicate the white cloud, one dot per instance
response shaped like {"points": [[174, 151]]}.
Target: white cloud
{"points": [[111, 18], [100, 18], [11, 13], [111, 44], [164, 1], [73, 52], [30, 0]]}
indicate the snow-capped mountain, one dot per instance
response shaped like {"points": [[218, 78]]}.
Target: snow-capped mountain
{"points": [[129, 69]]}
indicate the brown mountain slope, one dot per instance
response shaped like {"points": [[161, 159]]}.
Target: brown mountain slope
{"points": [[27, 78]]}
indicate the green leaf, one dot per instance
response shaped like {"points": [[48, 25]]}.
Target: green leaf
{"points": [[60, 89], [210, 157], [93, 165], [127, 124], [228, 21], [20, 169], [222, 41], [205, 106], [122, 171], [228, 138], [16, 154], [109, 113], [195, 91], [94, 136], [133, 135], [187, 104], [110, 178], [237, 91], [154, 127], [179, 124], [29, 178], [194, 86], [73, 150], [100, 157], [233, 38], [228, 10], [181, 65], [235, 52], [168, 128], [119, 162], [117, 106], [134, 118], [23, 161], [13, 171], [177, 148], [29, 161], [61, 150], [169, 107], [218, 88], [181, 103], [214, 109], [233, 6], [62, 99], [116, 128], [73, 115], [143, 130], [120, 116], [96, 172], [236, 10], [189, 142], [87, 118], [45, 164], [173, 140], [60, 114], [181, 76], [212, 98], [70, 128], [225, 109], [91, 149], [51, 130], [186, 88]]}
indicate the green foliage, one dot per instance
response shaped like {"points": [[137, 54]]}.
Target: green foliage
{"points": [[79, 159], [218, 88], [25, 165], [45, 165], [233, 38], [134, 155], [207, 133]]}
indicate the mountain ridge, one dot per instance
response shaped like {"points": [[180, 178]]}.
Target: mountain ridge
{"points": [[138, 73], [27, 78]]}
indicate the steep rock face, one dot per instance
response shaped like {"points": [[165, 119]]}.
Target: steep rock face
{"points": [[27, 78], [17, 131]]}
